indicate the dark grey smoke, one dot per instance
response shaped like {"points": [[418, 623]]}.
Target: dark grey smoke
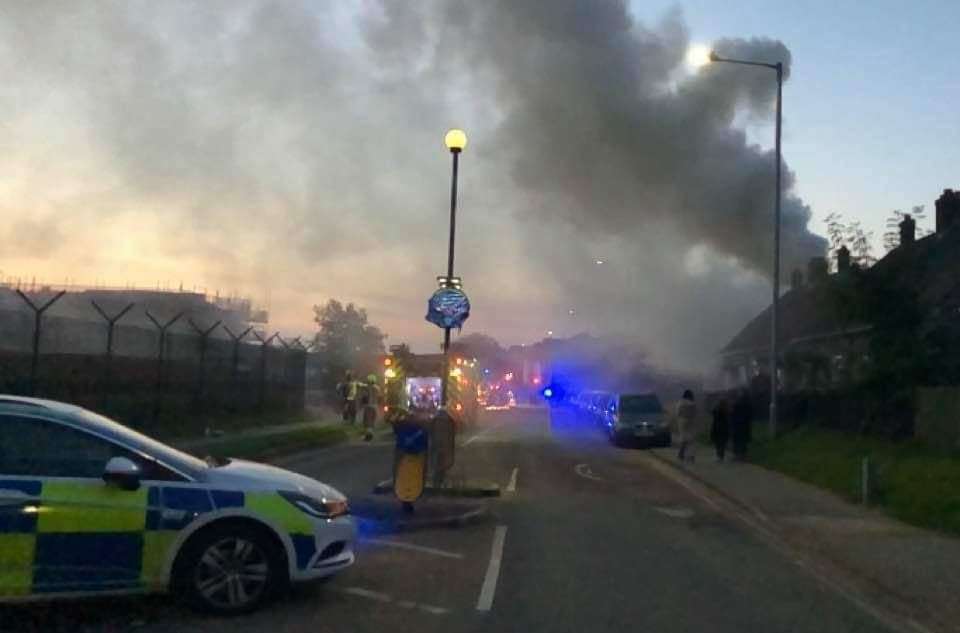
{"points": [[596, 119], [295, 147]]}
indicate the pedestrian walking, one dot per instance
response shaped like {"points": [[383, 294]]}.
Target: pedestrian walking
{"points": [[720, 430], [369, 401], [348, 394], [741, 424], [687, 427]]}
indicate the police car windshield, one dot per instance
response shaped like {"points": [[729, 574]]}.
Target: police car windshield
{"points": [[140, 441]]}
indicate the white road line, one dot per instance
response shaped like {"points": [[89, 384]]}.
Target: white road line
{"points": [[512, 486], [413, 548], [485, 602], [366, 593], [584, 471], [406, 604], [675, 513], [478, 435]]}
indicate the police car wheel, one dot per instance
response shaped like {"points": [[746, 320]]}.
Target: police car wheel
{"points": [[230, 570]]}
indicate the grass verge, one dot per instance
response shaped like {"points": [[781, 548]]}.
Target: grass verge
{"points": [[274, 444], [912, 481]]}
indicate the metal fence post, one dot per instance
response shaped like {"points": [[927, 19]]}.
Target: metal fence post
{"points": [[865, 480], [235, 361], [264, 348], [201, 373], [108, 366], [297, 346], [161, 350], [37, 324]]}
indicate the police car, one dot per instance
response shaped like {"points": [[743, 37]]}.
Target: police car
{"points": [[90, 507]]}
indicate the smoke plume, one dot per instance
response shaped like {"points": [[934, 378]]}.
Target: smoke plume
{"points": [[294, 149]]}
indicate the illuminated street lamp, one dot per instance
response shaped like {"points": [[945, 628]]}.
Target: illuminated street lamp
{"points": [[700, 56], [456, 141]]}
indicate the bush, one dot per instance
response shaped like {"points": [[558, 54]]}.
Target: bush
{"points": [[914, 482]]}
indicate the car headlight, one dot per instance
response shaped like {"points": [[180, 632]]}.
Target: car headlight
{"points": [[320, 508]]}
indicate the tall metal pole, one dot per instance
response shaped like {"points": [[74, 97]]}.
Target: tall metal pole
{"points": [[453, 232], [775, 326], [774, 313]]}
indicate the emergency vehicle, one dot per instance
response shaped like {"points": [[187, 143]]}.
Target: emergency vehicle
{"points": [[91, 507]]}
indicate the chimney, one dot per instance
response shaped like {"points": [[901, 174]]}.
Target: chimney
{"points": [[908, 230], [796, 279], [816, 270], [843, 259], [948, 208]]}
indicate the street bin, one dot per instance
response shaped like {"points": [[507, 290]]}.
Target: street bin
{"points": [[411, 452]]}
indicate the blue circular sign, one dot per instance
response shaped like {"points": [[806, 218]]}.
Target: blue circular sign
{"points": [[448, 308]]}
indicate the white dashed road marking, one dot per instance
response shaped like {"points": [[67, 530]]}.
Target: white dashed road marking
{"points": [[675, 513], [413, 548], [584, 471], [366, 593], [387, 599], [489, 589], [512, 486]]}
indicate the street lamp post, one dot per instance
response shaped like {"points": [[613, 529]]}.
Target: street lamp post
{"points": [[456, 141], [775, 325]]}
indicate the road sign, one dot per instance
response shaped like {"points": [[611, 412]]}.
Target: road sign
{"points": [[448, 308]]}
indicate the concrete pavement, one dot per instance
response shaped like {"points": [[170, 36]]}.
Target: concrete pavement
{"points": [[873, 552], [586, 537]]}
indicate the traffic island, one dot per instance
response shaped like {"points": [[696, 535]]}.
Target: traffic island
{"points": [[381, 515], [469, 488]]}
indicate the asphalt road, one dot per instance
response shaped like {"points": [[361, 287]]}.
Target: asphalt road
{"points": [[586, 537]]}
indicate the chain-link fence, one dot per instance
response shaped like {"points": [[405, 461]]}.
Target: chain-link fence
{"points": [[165, 368]]}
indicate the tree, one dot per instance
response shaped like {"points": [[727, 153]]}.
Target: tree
{"points": [[891, 238], [836, 235], [478, 345], [346, 341], [852, 233], [861, 245]]}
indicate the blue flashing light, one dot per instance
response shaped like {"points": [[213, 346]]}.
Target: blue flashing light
{"points": [[548, 393]]}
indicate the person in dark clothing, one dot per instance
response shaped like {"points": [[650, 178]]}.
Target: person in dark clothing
{"points": [[687, 427], [741, 423], [720, 430]]}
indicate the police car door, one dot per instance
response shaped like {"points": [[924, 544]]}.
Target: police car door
{"points": [[62, 527]]}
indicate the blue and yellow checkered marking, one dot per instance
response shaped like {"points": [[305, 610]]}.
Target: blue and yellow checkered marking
{"points": [[84, 536]]}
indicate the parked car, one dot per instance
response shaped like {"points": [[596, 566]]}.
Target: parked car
{"points": [[91, 507], [637, 418]]}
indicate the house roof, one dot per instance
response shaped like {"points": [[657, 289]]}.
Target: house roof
{"points": [[930, 265]]}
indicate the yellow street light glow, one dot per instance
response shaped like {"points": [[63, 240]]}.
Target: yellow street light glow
{"points": [[456, 372], [698, 56], [455, 140], [390, 372]]}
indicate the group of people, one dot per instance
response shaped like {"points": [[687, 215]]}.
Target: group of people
{"points": [[731, 425], [360, 397]]}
